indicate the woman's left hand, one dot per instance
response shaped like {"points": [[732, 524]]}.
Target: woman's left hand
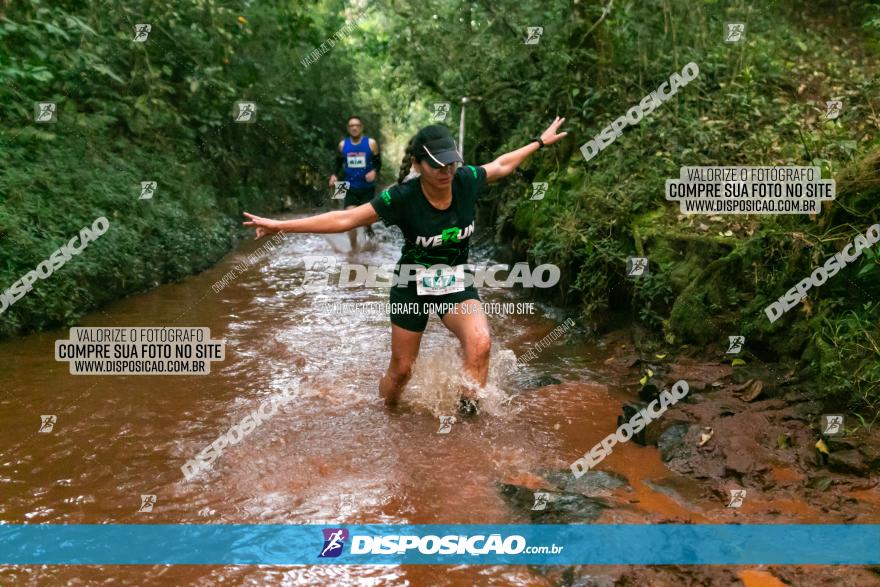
{"points": [[550, 135]]}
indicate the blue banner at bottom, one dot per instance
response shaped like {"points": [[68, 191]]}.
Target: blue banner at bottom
{"points": [[658, 544]]}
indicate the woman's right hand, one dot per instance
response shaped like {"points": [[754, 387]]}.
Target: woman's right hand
{"points": [[264, 226]]}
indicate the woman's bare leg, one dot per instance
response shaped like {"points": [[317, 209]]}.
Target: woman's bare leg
{"points": [[404, 350], [472, 330]]}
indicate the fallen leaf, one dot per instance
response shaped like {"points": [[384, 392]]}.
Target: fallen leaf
{"points": [[820, 483], [705, 436], [807, 307], [753, 391], [742, 386]]}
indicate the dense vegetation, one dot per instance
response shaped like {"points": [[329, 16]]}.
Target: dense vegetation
{"points": [[155, 111], [161, 110], [760, 102]]}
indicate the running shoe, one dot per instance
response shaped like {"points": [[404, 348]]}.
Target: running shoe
{"points": [[468, 407]]}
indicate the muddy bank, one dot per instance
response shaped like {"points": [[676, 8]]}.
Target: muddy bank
{"points": [[745, 427]]}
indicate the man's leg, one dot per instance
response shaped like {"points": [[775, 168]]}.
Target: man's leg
{"points": [[353, 235], [369, 194], [404, 350]]}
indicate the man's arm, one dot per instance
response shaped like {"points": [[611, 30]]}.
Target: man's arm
{"points": [[340, 165], [377, 160]]}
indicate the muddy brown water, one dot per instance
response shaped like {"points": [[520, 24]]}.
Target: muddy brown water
{"points": [[335, 454]]}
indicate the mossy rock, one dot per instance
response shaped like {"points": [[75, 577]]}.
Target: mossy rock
{"points": [[706, 309], [858, 189]]}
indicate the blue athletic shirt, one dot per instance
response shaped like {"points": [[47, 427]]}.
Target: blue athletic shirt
{"points": [[357, 161]]}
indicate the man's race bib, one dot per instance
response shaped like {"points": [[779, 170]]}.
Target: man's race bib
{"points": [[357, 160], [437, 282]]}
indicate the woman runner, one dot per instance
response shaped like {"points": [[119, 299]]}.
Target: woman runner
{"points": [[435, 212]]}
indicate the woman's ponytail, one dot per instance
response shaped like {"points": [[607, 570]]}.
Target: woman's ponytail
{"points": [[406, 164]]}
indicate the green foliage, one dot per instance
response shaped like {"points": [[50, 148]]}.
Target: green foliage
{"points": [[760, 102], [160, 110], [846, 354]]}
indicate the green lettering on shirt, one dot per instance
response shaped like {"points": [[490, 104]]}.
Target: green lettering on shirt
{"points": [[386, 197], [449, 234], [473, 170]]}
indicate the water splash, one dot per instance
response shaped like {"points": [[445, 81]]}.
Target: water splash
{"points": [[438, 380]]}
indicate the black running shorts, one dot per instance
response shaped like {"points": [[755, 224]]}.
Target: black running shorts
{"points": [[356, 197], [411, 311]]}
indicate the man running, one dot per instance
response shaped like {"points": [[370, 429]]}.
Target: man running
{"points": [[435, 211], [358, 161]]}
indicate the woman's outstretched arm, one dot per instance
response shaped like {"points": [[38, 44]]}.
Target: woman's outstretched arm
{"points": [[336, 221], [505, 164]]}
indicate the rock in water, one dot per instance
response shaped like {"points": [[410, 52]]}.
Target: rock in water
{"points": [[560, 508], [651, 389], [591, 483], [847, 461], [671, 442], [630, 410]]}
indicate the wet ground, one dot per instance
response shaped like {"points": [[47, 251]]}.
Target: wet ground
{"points": [[337, 455]]}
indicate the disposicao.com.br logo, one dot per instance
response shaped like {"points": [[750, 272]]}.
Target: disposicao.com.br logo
{"points": [[334, 542], [449, 544]]}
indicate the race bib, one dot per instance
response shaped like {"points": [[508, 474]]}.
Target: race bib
{"points": [[437, 282], [357, 160]]}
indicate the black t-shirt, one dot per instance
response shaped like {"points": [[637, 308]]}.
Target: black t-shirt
{"points": [[432, 236]]}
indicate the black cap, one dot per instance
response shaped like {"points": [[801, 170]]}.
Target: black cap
{"points": [[435, 145]]}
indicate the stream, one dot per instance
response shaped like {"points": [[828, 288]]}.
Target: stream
{"points": [[335, 454]]}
